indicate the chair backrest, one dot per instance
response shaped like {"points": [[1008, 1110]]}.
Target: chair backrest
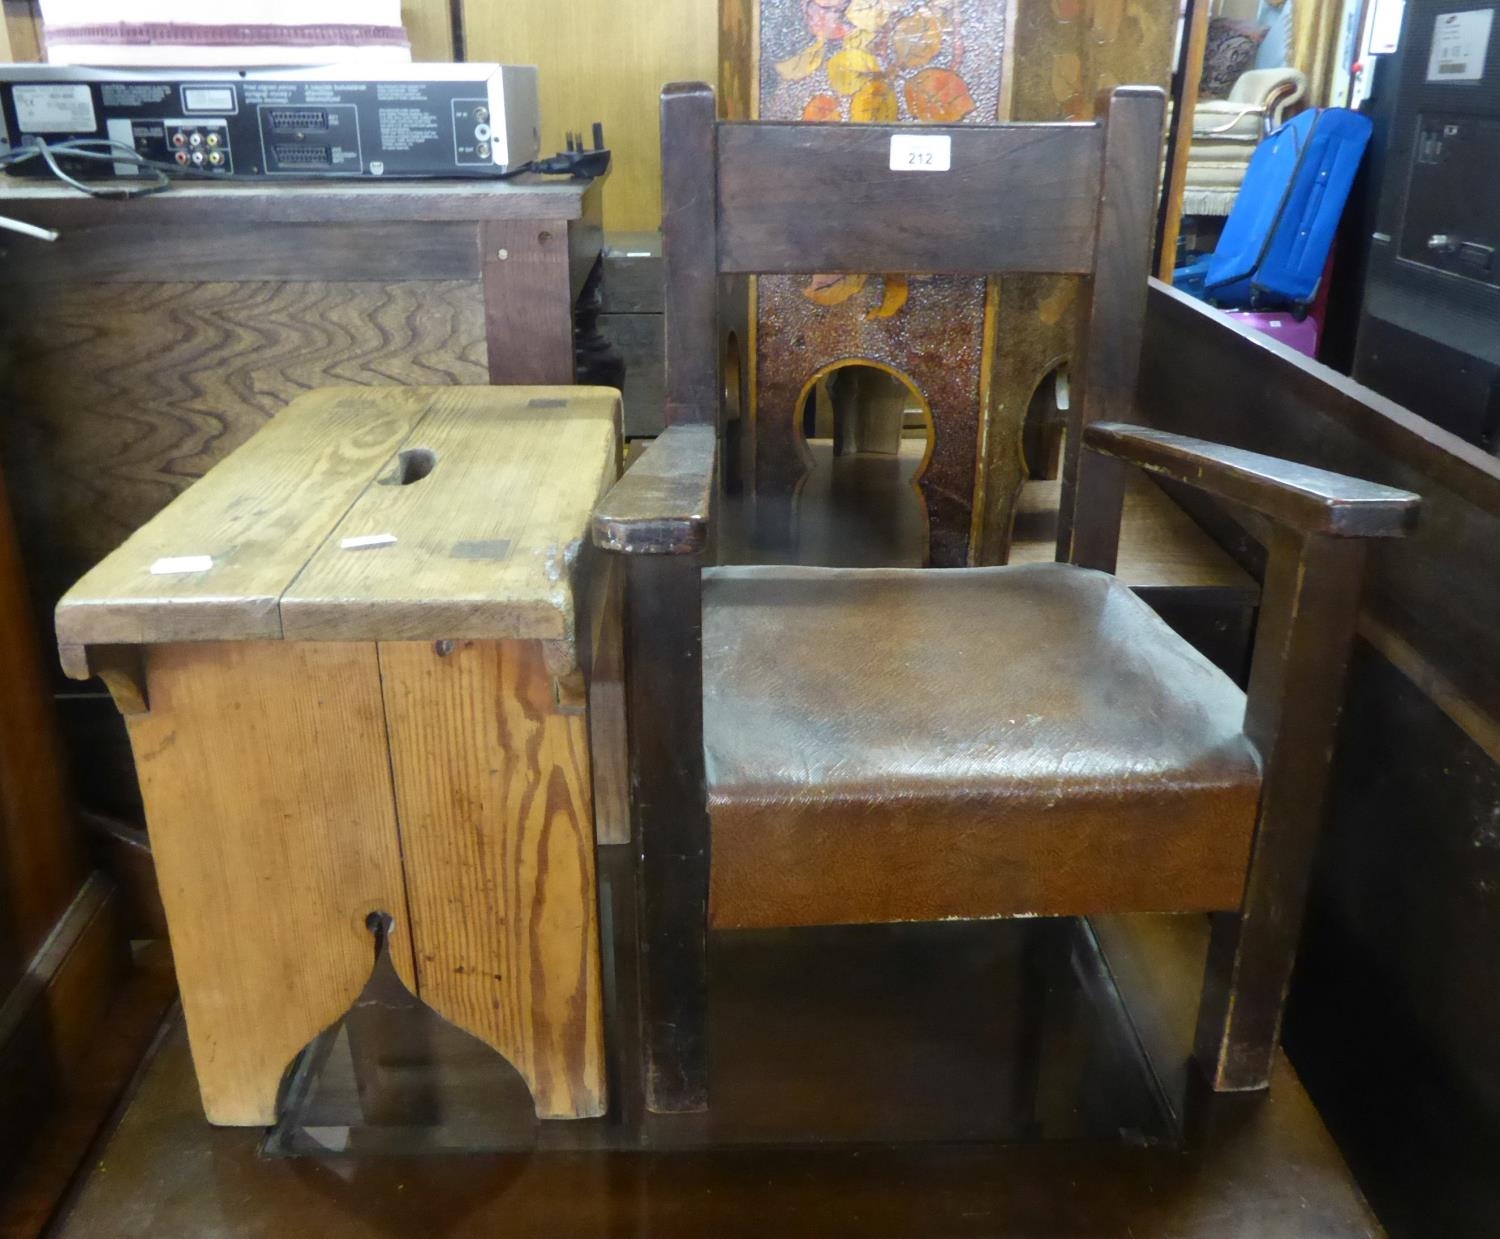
{"points": [[1074, 198]]}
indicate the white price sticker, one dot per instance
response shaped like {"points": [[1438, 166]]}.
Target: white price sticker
{"points": [[921, 152], [1459, 44], [54, 109], [170, 565], [361, 541]]}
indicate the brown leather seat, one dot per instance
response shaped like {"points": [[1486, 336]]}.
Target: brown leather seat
{"points": [[898, 744]]}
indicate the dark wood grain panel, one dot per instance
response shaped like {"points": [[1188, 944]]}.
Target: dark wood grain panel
{"points": [[41, 857], [1088, 526], [669, 812], [1297, 673], [1395, 980], [528, 308], [1439, 588], [689, 254], [123, 395], [660, 506], [1312, 500], [203, 249], [1397, 960], [773, 177], [343, 202]]}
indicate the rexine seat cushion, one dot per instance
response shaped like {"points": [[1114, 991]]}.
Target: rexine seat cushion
{"points": [[910, 744]]}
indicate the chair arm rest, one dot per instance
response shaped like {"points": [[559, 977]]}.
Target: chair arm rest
{"points": [[660, 505], [1313, 501]]}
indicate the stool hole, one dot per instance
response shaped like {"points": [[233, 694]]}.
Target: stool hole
{"points": [[413, 464]]}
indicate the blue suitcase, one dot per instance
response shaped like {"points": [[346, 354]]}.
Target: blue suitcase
{"points": [[1276, 241]]}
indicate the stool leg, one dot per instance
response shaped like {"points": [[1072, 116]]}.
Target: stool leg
{"points": [[669, 812], [1309, 606]]}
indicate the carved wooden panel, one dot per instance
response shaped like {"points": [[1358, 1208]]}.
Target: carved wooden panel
{"points": [[1066, 52], [977, 352], [873, 61]]}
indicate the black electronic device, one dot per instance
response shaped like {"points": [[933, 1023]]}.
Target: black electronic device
{"points": [[1429, 334]]}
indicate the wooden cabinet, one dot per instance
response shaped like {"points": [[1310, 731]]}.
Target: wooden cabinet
{"points": [[157, 335]]}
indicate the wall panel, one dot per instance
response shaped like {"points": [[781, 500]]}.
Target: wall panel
{"points": [[604, 60]]}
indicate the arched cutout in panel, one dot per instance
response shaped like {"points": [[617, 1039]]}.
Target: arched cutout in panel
{"points": [[1046, 423], [736, 439], [391, 1076], [859, 407], [867, 431]]}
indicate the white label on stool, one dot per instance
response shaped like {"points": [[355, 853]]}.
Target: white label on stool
{"points": [[361, 541], [921, 152], [169, 564]]}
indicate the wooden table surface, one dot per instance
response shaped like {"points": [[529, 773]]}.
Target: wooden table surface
{"points": [[524, 197]]}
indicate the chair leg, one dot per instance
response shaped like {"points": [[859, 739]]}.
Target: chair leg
{"points": [[1309, 606], [669, 811]]}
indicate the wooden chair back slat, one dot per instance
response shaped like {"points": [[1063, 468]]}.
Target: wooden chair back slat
{"points": [[804, 198]]}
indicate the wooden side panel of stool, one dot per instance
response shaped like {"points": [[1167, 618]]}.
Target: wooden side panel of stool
{"points": [[493, 793], [262, 766]]}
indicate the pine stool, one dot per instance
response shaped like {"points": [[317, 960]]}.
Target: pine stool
{"points": [[354, 665]]}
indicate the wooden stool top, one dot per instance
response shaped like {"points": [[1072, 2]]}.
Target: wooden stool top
{"points": [[370, 513]]}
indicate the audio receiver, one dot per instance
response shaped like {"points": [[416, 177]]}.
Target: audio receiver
{"points": [[417, 120]]}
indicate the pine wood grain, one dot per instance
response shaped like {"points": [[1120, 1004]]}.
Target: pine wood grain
{"points": [[486, 492], [487, 542], [23, 30], [605, 61], [264, 775], [492, 790], [260, 515], [429, 26]]}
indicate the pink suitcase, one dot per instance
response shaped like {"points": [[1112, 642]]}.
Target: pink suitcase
{"points": [[1283, 326]]}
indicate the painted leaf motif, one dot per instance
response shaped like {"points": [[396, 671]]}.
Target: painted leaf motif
{"points": [[825, 21], [939, 95], [804, 64], [833, 289], [862, 39], [916, 40], [869, 14], [875, 103], [893, 299], [823, 108], [850, 68]]}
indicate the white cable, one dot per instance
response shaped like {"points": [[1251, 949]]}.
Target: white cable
{"points": [[28, 230]]}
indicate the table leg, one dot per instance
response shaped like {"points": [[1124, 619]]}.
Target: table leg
{"points": [[528, 301]]}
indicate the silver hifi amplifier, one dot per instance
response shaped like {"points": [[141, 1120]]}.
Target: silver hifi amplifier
{"points": [[417, 120]]}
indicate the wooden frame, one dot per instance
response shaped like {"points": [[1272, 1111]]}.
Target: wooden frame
{"points": [[658, 515]]}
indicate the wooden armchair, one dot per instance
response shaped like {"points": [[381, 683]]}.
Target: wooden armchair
{"points": [[824, 746]]}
